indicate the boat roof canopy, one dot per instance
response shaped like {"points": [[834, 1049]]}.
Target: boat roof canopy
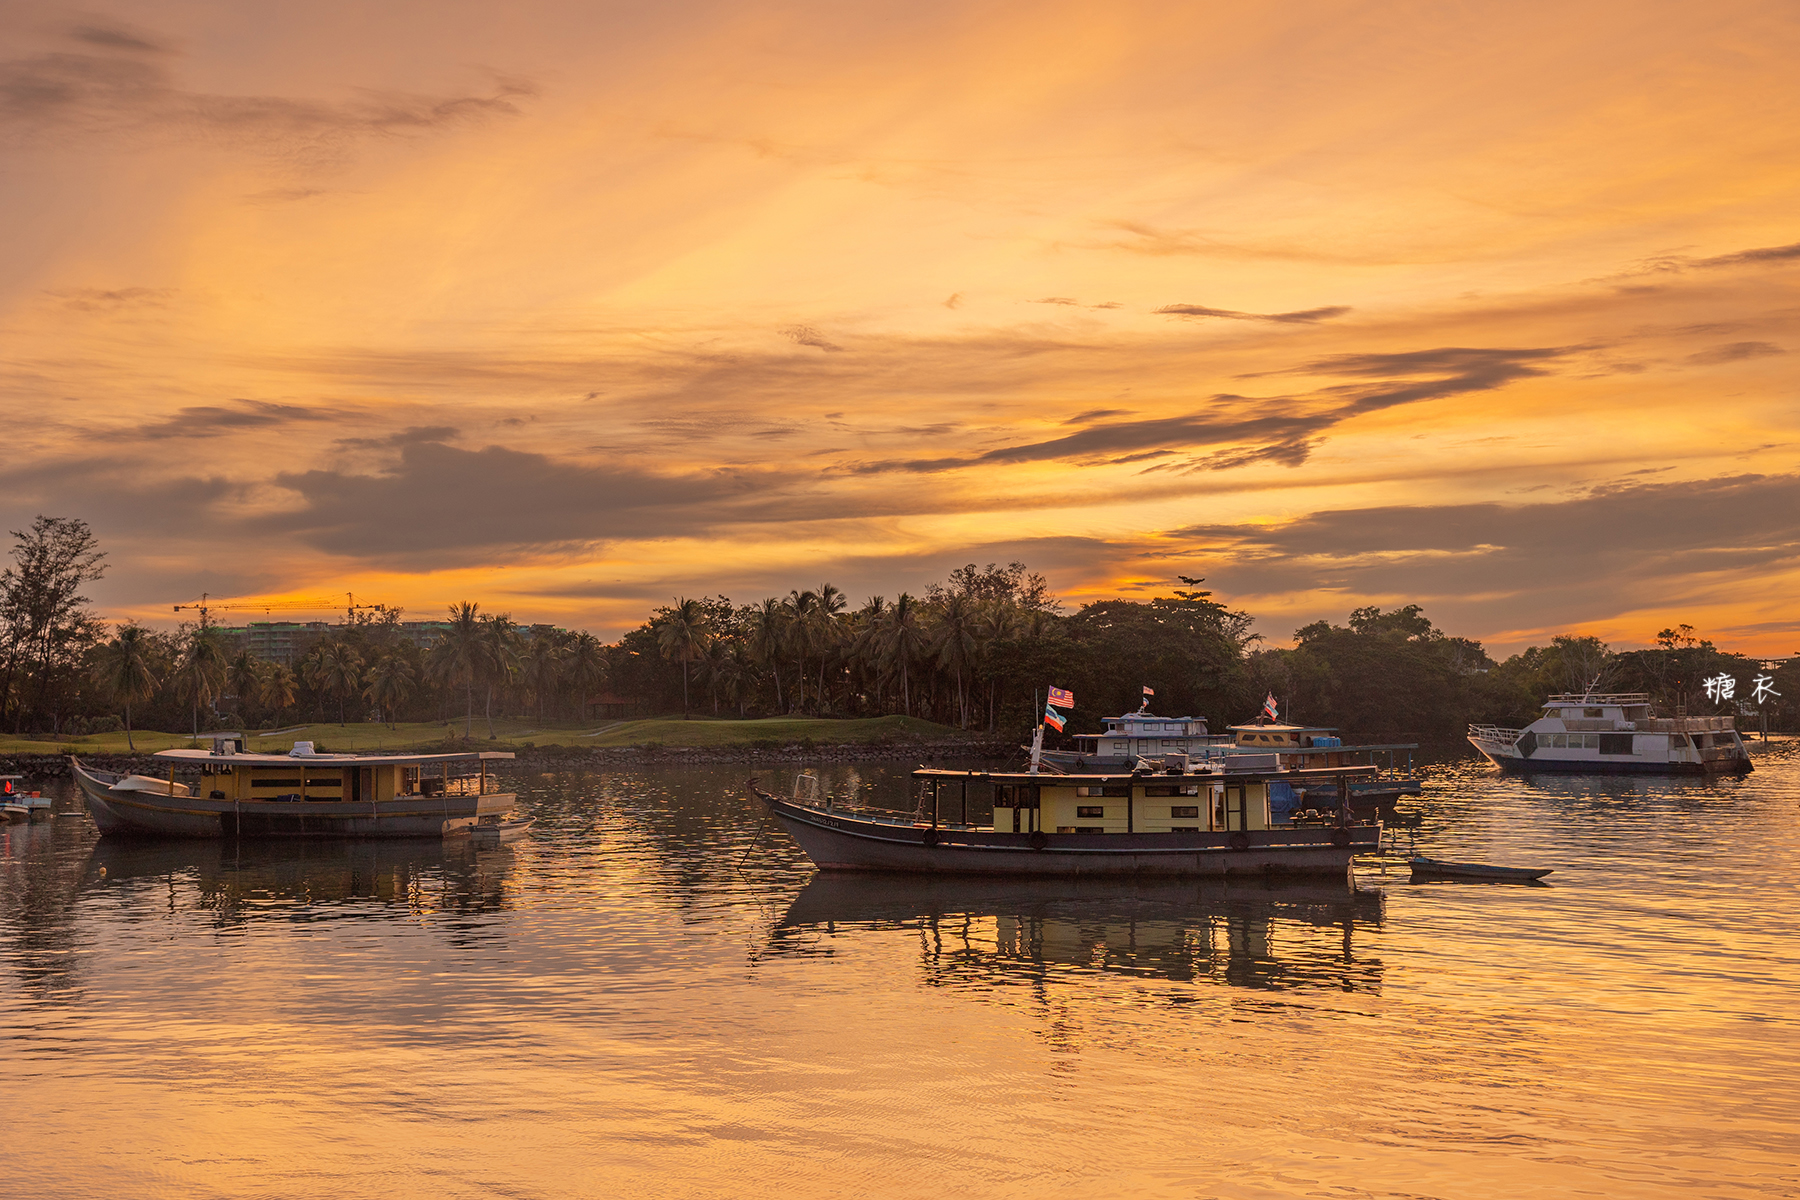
{"points": [[327, 760]]}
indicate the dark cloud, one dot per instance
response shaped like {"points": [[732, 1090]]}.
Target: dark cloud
{"points": [[806, 335], [1764, 254], [1305, 316], [1057, 300], [1734, 351], [406, 437], [113, 85], [1279, 429], [108, 299], [211, 420], [444, 504], [1617, 549]]}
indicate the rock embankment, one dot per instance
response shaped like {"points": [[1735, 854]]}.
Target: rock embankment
{"points": [[566, 758]]}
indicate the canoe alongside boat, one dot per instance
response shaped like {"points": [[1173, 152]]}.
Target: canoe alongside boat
{"points": [[300, 794], [1467, 870], [1196, 824]]}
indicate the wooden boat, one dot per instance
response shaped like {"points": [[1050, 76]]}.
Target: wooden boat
{"points": [[18, 805], [300, 794], [492, 831], [1196, 824], [1463, 870]]}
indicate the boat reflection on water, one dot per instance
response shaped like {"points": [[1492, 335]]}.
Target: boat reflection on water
{"points": [[240, 881], [1278, 936]]}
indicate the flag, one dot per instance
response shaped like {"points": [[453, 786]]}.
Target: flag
{"points": [[1053, 718], [1149, 691], [1269, 707], [1062, 699]]}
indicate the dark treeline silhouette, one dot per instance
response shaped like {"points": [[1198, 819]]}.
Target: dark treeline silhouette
{"points": [[973, 651]]}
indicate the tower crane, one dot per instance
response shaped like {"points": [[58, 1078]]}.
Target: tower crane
{"points": [[206, 605]]}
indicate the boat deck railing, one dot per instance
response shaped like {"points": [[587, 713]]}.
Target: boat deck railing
{"points": [[1494, 733]]}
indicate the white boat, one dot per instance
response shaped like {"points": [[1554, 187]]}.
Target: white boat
{"points": [[1614, 733], [299, 794]]}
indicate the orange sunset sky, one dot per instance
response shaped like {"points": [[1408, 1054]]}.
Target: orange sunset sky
{"points": [[571, 308]]}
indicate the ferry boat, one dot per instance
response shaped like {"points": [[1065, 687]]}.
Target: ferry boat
{"points": [[1183, 822], [1144, 737], [1614, 733], [298, 794]]}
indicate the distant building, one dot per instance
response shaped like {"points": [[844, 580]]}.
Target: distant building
{"points": [[286, 642]]}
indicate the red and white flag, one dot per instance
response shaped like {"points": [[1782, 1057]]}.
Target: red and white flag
{"points": [[1269, 707], [1149, 691], [1061, 698]]}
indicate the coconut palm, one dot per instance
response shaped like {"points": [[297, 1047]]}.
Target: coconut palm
{"points": [[391, 683], [682, 633], [802, 627], [584, 667], [541, 666], [278, 688], [335, 669], [127, 668], [903, 642], [768, 634], [953, 637], [456, 656], [201, 672], [502, 651], [244, 678], [828, 631]]}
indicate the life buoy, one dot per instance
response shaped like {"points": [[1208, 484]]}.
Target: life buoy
{"points": [[1038, 839], [1239, 841], [929, 837]]}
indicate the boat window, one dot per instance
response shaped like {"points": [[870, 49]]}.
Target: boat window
{"points": [[1184, 810], [1108, 789], [1594, 712], [1172, 789], [1091, 810]]}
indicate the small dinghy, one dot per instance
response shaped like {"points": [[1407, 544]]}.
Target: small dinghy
{"points": [[1463, 870], [493, 833]]}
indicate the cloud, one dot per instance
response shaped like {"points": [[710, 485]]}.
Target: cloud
{"points": [[806, 335], [212, 420], [113, 85], [406, 437], [1735, 352], [1056, 300], [1305, 316], [448, 505], [108, 299], [1509, 566]]}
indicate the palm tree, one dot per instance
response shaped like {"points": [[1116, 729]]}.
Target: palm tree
{"points": [[828, 632], [584, 666], [768, 634], [501, 646], [456, 657], [542, 662], [996, 624], [904, 641], [335, 669], [682, 634], [244, 678], [127, 668], [801, 628], [954, 638], [391, 682], [201, 672], [279, 688]]}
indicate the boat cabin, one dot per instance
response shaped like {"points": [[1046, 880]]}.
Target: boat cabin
{"points": [[1138, 802], [228, 773], [1146, 735]]}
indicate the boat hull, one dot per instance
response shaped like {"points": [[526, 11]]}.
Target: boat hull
{"points": [[121, 813], [1516, 764], [836, 841]]}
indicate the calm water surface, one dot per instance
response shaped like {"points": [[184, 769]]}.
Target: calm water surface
{"points": [[655, 996]]}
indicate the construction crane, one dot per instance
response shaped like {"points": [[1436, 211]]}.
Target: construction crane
{"points": [[206, 605]]}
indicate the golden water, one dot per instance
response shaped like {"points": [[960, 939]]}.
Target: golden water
{"points": [[655, 996]]}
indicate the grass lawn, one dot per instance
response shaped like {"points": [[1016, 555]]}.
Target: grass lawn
{"points": [[514, 732]]}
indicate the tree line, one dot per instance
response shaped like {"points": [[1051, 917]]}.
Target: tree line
{"points": [[972, 651]]}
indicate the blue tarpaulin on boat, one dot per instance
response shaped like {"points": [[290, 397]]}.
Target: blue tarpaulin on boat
{"points": [[1282, 801]]}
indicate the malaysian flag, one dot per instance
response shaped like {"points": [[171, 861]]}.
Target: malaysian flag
{"points": [[1269, 707], [1053, 718], [1061, 698]]}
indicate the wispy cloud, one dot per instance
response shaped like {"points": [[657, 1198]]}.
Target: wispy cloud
{"points": [[1305, 316]]}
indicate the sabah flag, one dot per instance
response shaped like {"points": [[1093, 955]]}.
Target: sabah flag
{"points": [[1053, 718], [1062, 699], [1269, 707]]}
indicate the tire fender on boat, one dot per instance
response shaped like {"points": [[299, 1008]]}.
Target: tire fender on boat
{"points": [[929, 837], [1239, 841], [1038, 839], [1340, 837]]}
